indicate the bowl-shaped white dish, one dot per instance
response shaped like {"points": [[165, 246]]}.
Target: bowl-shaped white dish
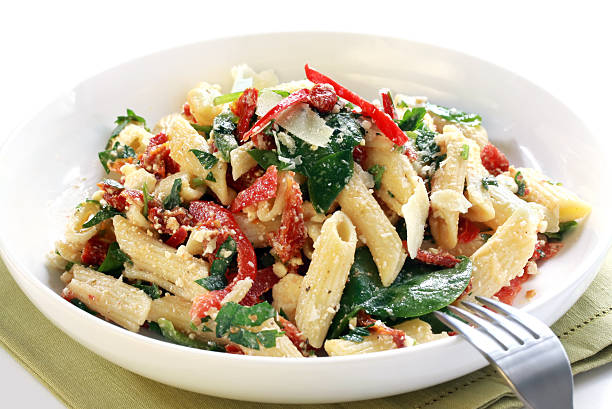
{"points": [[51, 163]]}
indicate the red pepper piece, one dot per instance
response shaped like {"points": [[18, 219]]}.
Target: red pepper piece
{"points": [[508, 293], [292, 332], [177, 238], [375, 327], [94, 252], [295, 98], [468, 231], [233, 349], [214, 216], [323, 98], [494, 160], [157, 160], [442, 258], [263, 188], [245, 109], [289, 239], [264, 281], [246, 180], [384, 122], [387, 101], [360, 154]]}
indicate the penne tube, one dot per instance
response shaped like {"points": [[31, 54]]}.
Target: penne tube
{"points": [[324, 282], [482, 206]]}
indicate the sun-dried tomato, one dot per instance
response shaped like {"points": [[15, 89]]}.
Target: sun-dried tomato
{"points": [[494, 160], [157, 160], [508, 293], [360, 154], [233, 349], [376, 327], [545, 250], [188, 114], [263, 282], [244, 109], [263, 188], [94, 252], [293, 333], [177, 238], [323, 98], [290, 237], [161, 219], [468, 231], [441, 258]]}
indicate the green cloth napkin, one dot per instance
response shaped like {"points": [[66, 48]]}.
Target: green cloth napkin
{"points": [[81, 379]]}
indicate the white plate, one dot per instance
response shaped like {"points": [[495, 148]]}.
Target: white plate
{"points": [[50, 163]]}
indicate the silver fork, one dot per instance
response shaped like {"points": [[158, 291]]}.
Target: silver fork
{"points": [[522, 348]]}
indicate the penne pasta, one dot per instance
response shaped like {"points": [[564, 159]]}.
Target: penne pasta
{"points": [[481, 209], [324, 282]]}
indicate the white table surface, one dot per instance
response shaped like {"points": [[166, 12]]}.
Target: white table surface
{"points": [[48, 47]]}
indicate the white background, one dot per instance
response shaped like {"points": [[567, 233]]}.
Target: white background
{"points": [[48, 47]]}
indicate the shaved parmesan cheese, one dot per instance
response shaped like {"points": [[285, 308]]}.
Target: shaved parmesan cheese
{"points": [[245, 77], [293, 86], [301, 121]]}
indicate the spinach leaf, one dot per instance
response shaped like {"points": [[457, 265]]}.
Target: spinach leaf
{"points": [[564, 227], [356, 334], [216, 278], [82, 305], [454, 115], [327, 177], [232, 318], [411, 119], [118, 151], [167, 330], [428, 149], [223, 130], [114, 260], [123, 121], [489, 181], [152, 290], [377, 172], [206, 159], [418, 290], [266, 158], [104, 213], [174, 198], [205, 129]]}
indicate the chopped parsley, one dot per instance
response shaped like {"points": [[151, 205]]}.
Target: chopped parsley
{"points": [[68, 266], [283, 94], [174, 198], [564, 227], [454, 115], [489, 181], [411, 119], [390, 194], [216, 277], [210, 177], [207, 160], [356, 334], [104, 213], [520, 182], [377, 172], [118, 151]]}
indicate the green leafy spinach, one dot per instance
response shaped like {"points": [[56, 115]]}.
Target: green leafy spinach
{"points": [[174, 198], [223, 130], [114, 261], [123, 121], [166, 328], [216, 277], [118, 151], [106, 212], [233, 318]]}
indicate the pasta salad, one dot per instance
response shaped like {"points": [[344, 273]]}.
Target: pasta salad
{"points": [[299, 219]]}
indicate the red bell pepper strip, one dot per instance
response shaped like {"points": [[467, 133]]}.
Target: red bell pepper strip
{"points": [[263, 188], [442, 258], [383, 121], [214, 216], [385, 96], [297, 97], [245, 109], [177, 238], [264, 281]]}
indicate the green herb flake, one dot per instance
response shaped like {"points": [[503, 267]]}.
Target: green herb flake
{"points": [[210, 177], [485, 236], [412, 119], [465, 151], [356, 334], [390, 194], [123, 121], [454, 115], [564, 227], [489, 181], [205, 129], [114, 261], [152, 290], [283, 94], [104, 213], [520, 182], [118, 151], [207, 160], [216, 277], [82, 305], [377, 172], [224, 126], [224, 99], [174, 198], [68, 266], [170, 333]]}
